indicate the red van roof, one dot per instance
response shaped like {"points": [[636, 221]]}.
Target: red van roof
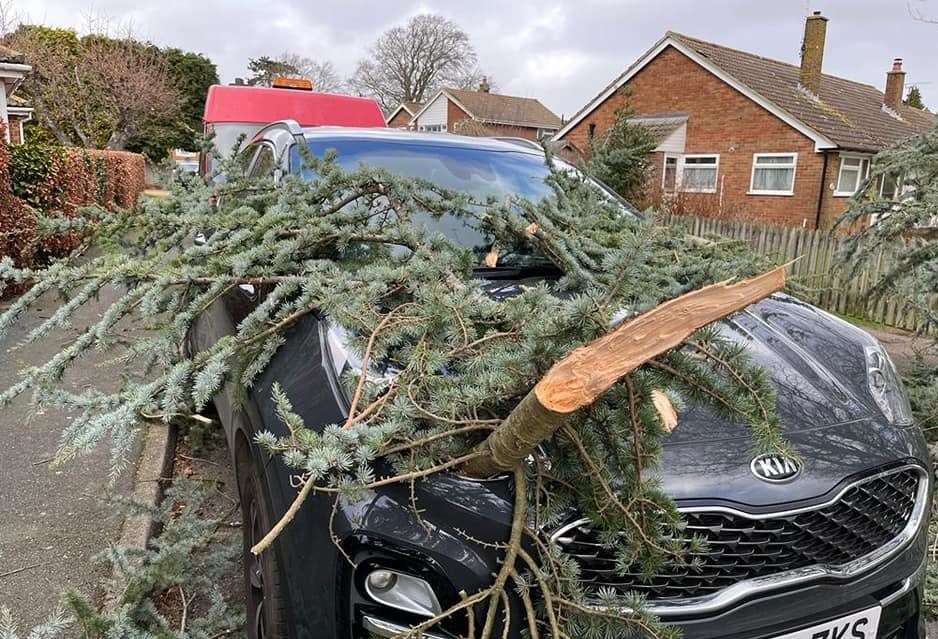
{"points": [[261, 105]]}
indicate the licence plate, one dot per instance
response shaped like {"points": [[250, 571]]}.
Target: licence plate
{"points": [[859, 625]]}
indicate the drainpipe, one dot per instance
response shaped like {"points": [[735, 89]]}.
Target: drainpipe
{"points": [[722, 183], [820, 193]]}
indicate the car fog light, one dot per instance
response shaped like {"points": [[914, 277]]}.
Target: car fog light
{"points": [[402, 591], [382, 580]]}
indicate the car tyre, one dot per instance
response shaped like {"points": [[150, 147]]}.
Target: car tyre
{"points": [[265, 603]]}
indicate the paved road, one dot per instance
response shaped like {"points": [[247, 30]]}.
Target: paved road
{"points": [[52, 520]]}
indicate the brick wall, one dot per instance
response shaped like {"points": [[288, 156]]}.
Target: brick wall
{"points": [[401, 120], [15, 128], [832, 207], [722, 120]]}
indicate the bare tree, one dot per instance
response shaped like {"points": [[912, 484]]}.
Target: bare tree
{"points": [[9, 17], [408, 63], [322, 74], [132, 84], [918, 14], [95, 91]]}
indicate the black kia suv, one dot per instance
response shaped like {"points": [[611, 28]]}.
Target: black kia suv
{"points": [[829, 546]]}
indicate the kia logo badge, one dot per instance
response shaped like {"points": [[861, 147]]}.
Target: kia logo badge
{"points": [[775, 468]]}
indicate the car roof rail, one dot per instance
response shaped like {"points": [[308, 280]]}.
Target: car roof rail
{"points": [[531, 144]]}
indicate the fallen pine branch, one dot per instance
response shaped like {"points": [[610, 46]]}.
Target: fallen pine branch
{"points": [[584, 375]]}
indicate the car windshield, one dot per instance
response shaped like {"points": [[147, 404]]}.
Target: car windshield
{"points": [[480, 173]]}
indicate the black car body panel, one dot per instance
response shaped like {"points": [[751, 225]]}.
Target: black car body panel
{"points": [[827, 412]]}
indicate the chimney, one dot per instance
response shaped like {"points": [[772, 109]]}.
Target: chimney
{"points": [[895, 86], [484, 85], [812, 52]]}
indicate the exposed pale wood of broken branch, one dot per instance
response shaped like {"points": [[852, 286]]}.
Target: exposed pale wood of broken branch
{"points": [[665, 409], [584, 375]]}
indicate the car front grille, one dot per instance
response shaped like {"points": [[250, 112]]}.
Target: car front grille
{"points": [[737, 548]]}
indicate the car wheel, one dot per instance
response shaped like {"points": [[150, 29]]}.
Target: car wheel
{"points": [[266, 609]]}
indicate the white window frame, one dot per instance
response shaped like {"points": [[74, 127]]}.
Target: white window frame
{"points": [[545, 133], [716, 175], [901, 188], [677, 172], [794, 172], [863, 175]]}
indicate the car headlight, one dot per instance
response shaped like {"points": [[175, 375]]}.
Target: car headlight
{"points": [[345, 358], [886, 387]]}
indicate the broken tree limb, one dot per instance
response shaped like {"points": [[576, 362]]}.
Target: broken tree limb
{"points": [[584, 375]]}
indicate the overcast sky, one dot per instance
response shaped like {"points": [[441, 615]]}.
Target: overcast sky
{"points": [[560, 52]]}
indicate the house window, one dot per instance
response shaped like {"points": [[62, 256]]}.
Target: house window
{"points": [[853, 170], [890, 186], [773, 173], [433, 128], [669, 174], [699, 174], [591, 130]]}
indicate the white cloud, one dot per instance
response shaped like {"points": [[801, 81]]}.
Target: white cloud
{"points": [[559, 51], [555, 66]]}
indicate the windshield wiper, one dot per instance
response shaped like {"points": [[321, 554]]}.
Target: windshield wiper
{"points": [[517, 271]]}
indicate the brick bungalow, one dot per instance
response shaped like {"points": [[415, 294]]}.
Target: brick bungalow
{"points": [[401, 116], [13, 110], [484, 113], [751, 137]]}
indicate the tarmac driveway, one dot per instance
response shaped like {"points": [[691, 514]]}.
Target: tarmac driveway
{"points": [[52, 520]]}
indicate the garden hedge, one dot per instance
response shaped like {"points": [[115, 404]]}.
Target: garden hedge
{"points": [[43, 179], [17, 225]]}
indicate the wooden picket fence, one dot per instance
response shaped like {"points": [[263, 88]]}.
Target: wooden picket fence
{"points": [[817, 269]]}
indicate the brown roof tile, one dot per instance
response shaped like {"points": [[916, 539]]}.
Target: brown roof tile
{"points": [[507, 109], [848, 113]]}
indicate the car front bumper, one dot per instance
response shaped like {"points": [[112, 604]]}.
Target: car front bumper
{"points": [[897, 586]]}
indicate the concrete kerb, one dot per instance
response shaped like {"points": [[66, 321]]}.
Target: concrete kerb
{"points": [[154, 468]]}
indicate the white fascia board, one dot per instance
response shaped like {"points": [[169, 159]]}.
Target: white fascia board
{"points": [[394, 113], [9, 68]]}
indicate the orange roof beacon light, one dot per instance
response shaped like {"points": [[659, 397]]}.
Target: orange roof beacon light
{"points": [[284, 82]]}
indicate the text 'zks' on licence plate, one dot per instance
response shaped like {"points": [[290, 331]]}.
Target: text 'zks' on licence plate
{"points": [[859, 625]]}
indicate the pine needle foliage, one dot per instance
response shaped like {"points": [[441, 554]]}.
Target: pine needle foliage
{"points": [[446, 355], [620, 157], [910, 217]]}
